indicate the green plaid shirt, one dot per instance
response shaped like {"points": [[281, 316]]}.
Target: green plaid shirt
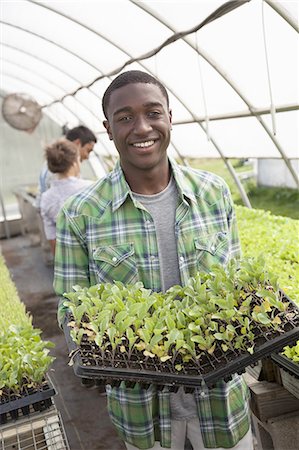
{"points": [[103, 234]]}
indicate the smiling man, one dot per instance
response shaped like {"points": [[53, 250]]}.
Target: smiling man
{"points": [[154, 221], [139, 123]]}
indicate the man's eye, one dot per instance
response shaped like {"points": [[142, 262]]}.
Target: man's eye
{"points": [[124, 118], [154, 114]]}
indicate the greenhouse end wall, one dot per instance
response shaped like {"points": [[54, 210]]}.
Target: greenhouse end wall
{"points": [[274, 172]]}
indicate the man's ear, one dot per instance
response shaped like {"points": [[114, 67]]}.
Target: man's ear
{"points": [[170, 118], [107, 126], [77, 142]]}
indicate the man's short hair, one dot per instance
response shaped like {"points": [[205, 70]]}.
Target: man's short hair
{"points": [[61, 155], [130, 77], [84, 134]]}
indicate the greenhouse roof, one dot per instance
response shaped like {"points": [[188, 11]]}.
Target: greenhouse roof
{"points": [[231, 68]]}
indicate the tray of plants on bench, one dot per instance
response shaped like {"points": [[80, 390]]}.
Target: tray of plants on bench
{"points": [[31, 397], [215, 326], [24, 357], [24, 362], [288, 360]]}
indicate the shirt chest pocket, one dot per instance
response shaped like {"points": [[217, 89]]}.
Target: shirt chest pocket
{"points": [[116, 263], [212, 248]]}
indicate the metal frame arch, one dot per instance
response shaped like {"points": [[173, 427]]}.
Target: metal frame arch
{"points": [[97, 98], [54, 117], [105, 39], [62, 103], [7, 74], [44, 91], [51, 42], [80, 121], [109, 154], [21, 66], [233, 85], [283, 13], [226, 161], [240, 114], [183, 103], [49, 64], [59, 46], [54, 84]]}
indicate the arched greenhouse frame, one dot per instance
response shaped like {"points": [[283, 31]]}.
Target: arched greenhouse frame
{"points": [[231, 69]]}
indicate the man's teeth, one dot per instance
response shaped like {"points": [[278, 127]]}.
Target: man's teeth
{"points": [[143, 144]]}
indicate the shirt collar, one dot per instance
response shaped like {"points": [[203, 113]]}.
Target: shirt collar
{"points": [[183, 185], [121, 189], [57, 181]]}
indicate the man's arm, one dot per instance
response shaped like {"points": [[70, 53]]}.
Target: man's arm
{"points": [[52, 245], [44, 182], [71, 257]]}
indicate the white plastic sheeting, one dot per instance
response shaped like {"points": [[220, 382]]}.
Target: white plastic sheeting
{"points": [[221, 79]]}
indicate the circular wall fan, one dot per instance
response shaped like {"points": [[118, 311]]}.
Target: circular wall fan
{"points": [[21, 111]]}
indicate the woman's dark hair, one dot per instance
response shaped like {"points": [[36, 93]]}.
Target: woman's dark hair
{"points": [[61, 155], [132, 76]]}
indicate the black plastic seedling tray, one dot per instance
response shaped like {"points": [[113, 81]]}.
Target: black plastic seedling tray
{"points": [[88, 362], [14, 406], [287, 364]]}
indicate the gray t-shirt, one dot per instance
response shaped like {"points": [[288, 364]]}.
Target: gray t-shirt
{"points": [[53, 199], [162, 208]]}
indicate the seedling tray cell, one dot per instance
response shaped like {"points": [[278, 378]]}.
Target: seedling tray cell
{"points": [[14, 406], [88, 361]]}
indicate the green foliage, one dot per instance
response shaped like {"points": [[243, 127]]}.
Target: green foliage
{"points": [[222, 308], [279, 200], [292, 352], [276, 238], [11, 309], [24, 357], [217, 166]]}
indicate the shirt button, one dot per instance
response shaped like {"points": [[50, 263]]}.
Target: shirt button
{"points": [[182, 258], [153, 257], [213, 248], [114, 259], [202, 394]]}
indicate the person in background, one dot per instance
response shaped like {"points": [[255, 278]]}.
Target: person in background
{"points": [[154, 221], [84, 139], [63, 160]]}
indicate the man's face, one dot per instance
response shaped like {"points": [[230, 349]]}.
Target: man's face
{"points": [[139, 123], [85, 150]]}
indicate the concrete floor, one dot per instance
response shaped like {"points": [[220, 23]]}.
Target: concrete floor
{"points": [[83, 411]]}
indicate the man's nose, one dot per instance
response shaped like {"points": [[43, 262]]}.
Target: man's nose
{"points": [[142, 125]]}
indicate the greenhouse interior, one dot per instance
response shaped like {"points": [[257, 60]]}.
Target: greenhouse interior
{"points": [[125, 324]]}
